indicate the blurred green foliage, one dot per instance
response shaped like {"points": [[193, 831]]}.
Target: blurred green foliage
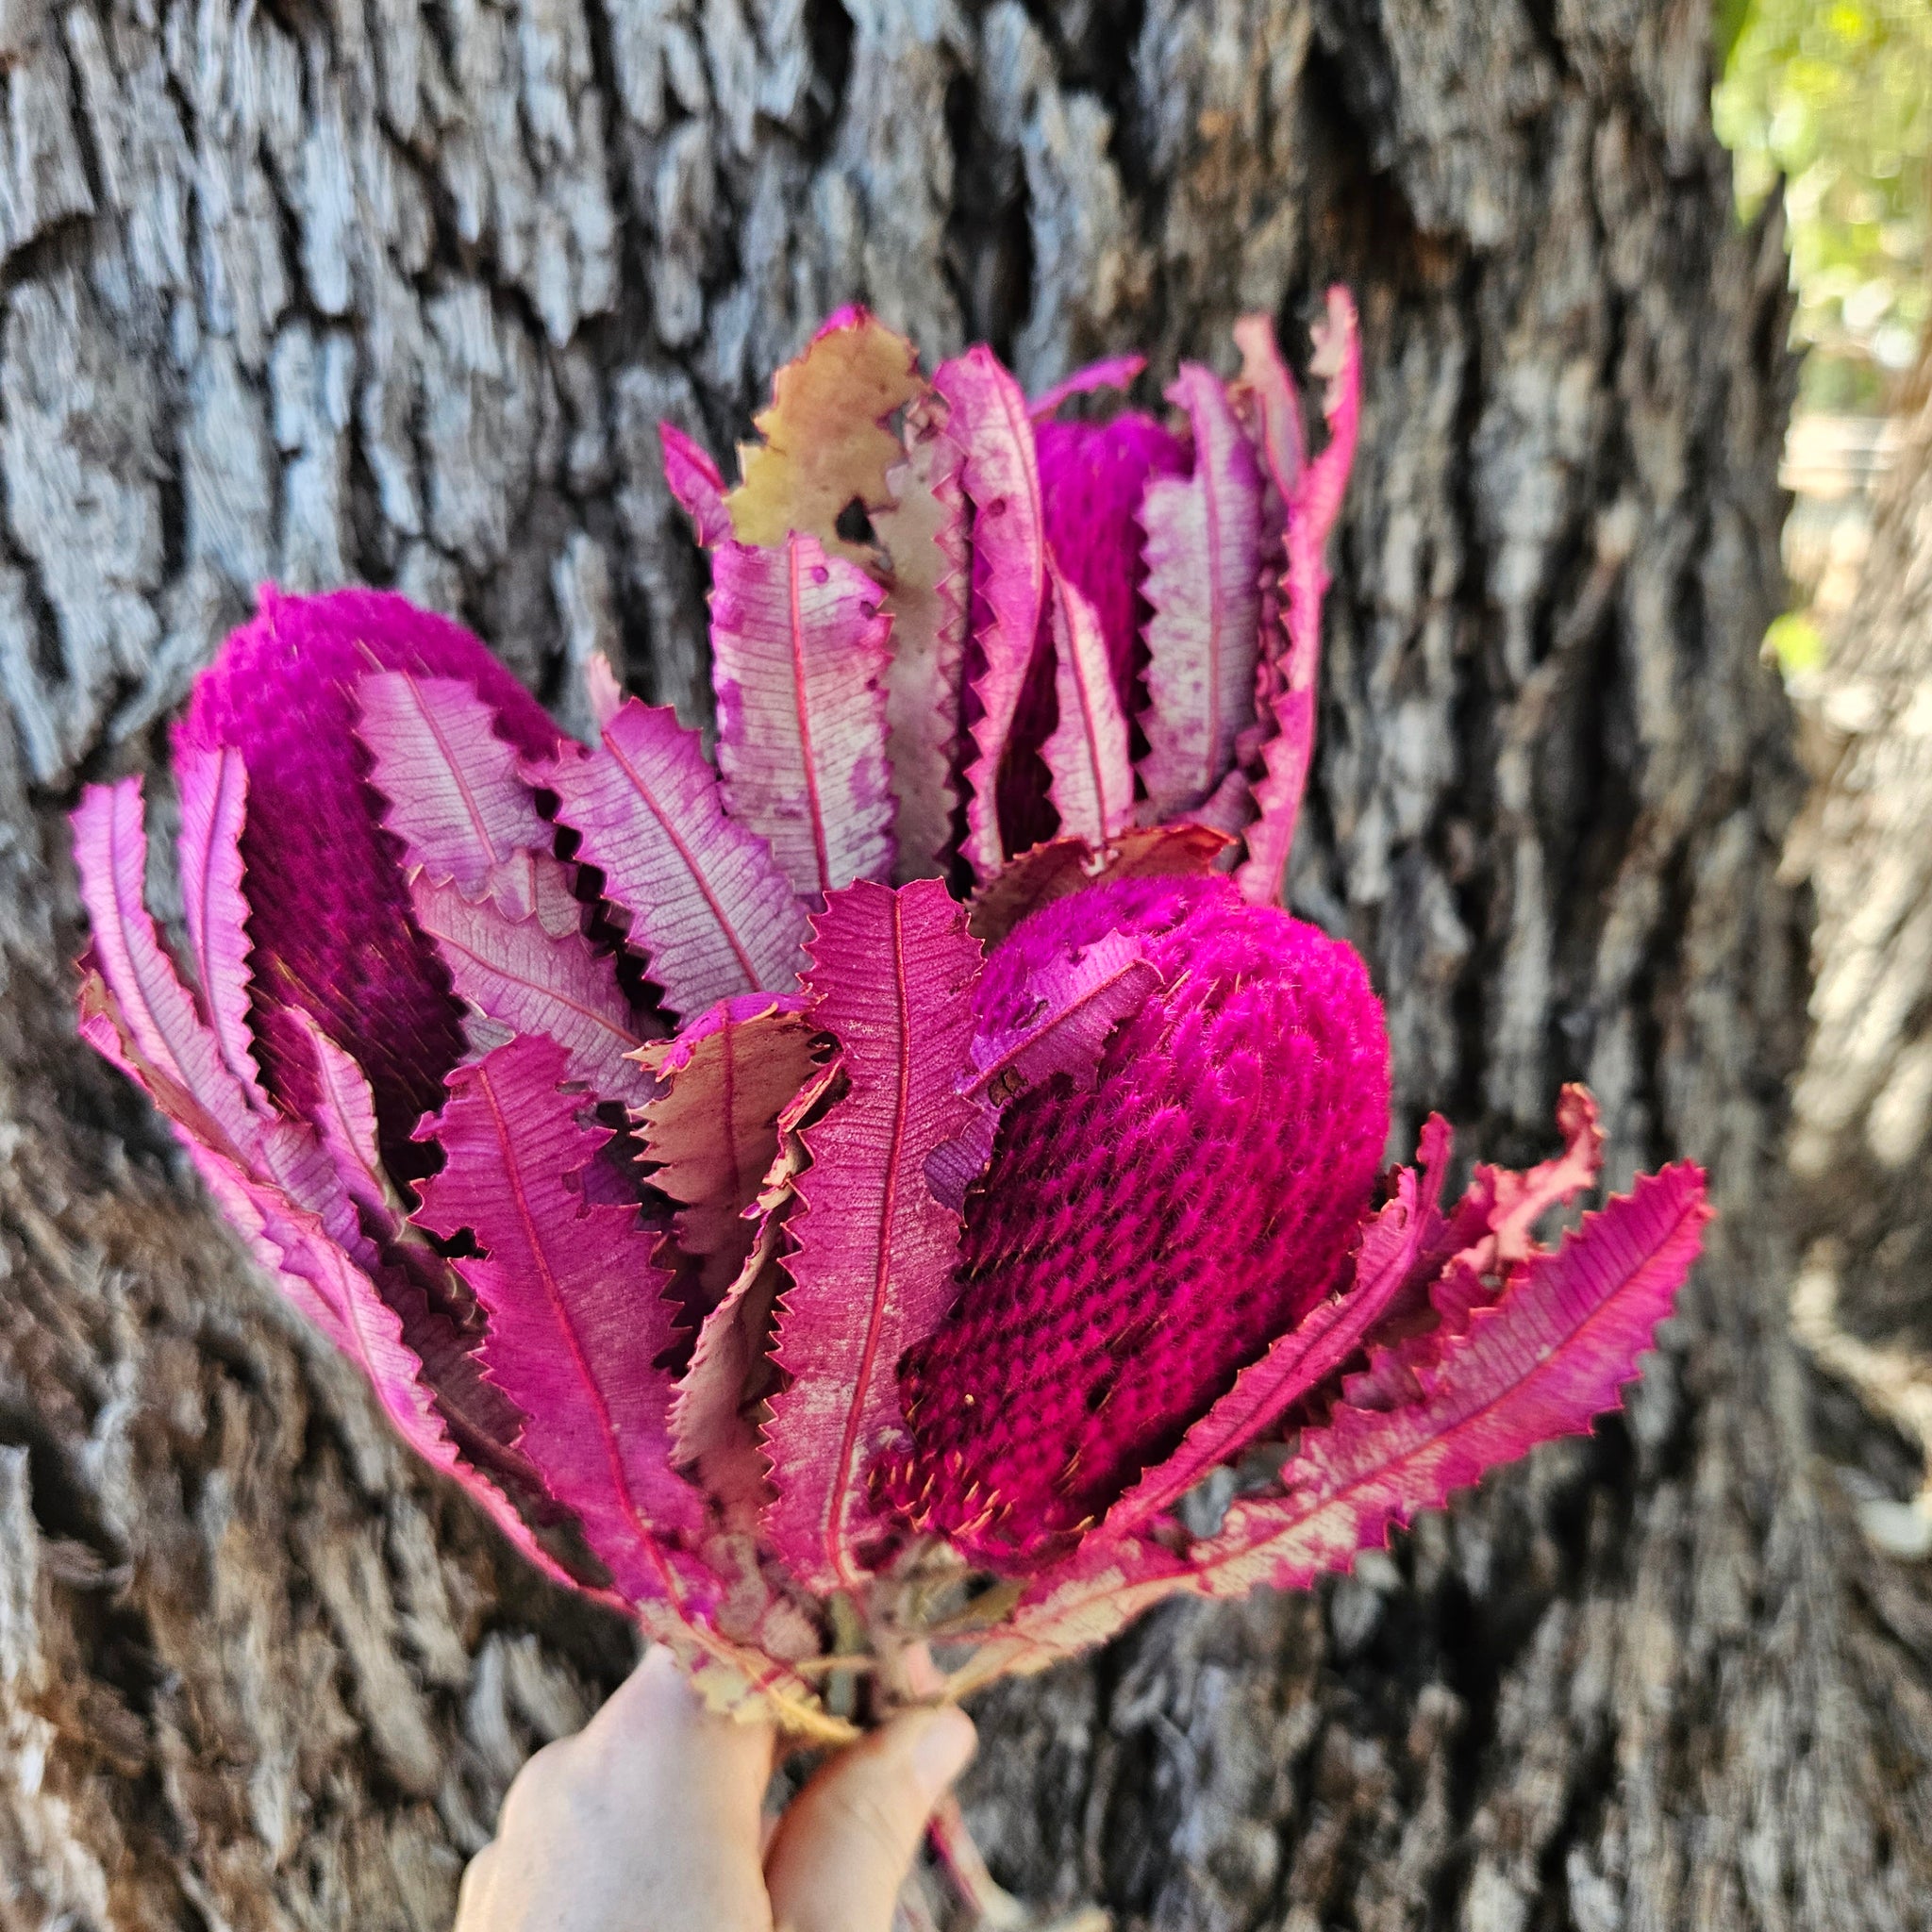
{"points": [[1797, 643], [1835, 96]]}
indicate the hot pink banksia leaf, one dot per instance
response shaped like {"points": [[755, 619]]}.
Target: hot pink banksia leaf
{"points": [[871, 1272], [840, 1202]]}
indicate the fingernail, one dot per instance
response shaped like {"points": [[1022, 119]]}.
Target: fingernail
{"points": [[940, 1751]]}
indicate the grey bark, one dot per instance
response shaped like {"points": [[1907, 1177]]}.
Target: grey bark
{"points": [[317, 291]]}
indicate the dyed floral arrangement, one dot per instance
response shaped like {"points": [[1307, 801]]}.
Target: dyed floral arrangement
{"points": [[837, 1204]]}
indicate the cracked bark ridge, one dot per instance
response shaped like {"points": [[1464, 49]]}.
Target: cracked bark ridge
{"points": [[400, 293]]}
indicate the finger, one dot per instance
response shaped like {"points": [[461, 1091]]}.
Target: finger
{"points": [[473, 1893], [843, 1848], [661, 1750], [656, 1800]]}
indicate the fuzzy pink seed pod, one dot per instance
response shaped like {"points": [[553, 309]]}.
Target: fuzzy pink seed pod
{"points": [[1133, 1246]]}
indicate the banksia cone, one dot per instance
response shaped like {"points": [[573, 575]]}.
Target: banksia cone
{"points": [[846, 1195], [1203, 1183]]}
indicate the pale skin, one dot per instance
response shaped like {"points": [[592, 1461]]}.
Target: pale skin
{"points": [[652, 1819]]}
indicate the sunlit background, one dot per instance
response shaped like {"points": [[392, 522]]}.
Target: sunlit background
{"points": [[1836, 98]]}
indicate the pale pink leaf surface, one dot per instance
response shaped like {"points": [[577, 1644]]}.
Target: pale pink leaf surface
{"points": [[1204, 562], [162, 1021], [1092, 787], [1111, 371], [212, 786], [104, 1022], [533, 884], [1313, 505], [1230, 806], [285, 1196], [1522, 1199], [375, 1343], [1080, 997], [455, 797], [798, 661], [1297, 1362], [925, 533], [1550, 1355], [576, 1312], [989, 417], [709, 1431], [697, 485], [288, 1242], [482, 1420], [345, 1122], [529, 981], [710, 1124], [147, 1022], [892, 978], [709, 910], [1269, 400]]}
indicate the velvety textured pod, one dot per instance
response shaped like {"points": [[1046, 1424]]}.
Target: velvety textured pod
{"points": [[1133, 1246], [329, 912]]}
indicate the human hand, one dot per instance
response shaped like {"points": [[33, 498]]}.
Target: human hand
{"points": [[650, 1820]]}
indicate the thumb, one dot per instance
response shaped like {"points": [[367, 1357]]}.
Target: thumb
{"points": [[846, 1842]]}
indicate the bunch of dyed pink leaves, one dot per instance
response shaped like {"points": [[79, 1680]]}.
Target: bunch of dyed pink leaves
{"points": [[837, 1204]]}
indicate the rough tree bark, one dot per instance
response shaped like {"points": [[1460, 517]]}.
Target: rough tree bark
{"points": [[319, 291]]}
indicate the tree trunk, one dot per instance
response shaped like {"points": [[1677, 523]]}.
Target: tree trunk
{"points": [[319, 292]]}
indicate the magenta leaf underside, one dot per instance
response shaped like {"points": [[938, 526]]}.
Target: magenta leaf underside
{"points": [[1077, 998], [870, 1273], [849, 1195], [576, 1311], [696, 484], [1551, 1354]]}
